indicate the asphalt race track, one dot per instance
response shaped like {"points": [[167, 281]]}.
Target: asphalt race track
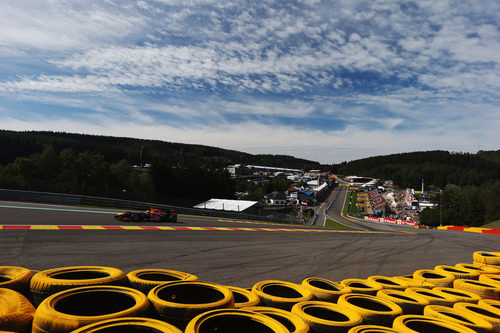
{"points": [[238, 257]]}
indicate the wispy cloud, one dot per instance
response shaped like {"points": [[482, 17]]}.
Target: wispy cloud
{"points": [[322, 69]]}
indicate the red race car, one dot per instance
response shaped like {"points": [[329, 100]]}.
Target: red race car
{"points": [[153, 215]]}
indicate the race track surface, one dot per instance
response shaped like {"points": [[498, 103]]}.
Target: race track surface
{"points": [[239, 257]]}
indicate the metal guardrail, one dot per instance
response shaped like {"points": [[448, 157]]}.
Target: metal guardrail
{"points": [[71, 199]]}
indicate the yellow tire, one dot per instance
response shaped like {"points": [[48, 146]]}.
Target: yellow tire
{"points": [[491, 304], [480, 268], [15, 278], [243, 297], [439, 279], [129, 325], [462, 317], [412, 283], [480, 311], [462, 273], [411, 304], [362, 286], [146, 279], [434, 297], [16, 312], [483, 289], [388, 282], [51, 281], [234, 320], [374, 310], [490, 278], [371, 329], [291, 321], [179, 302], [281, 294], [327, 317], [459, 295], [486, 257], [325, 290], [419, 323], [71, 309]]}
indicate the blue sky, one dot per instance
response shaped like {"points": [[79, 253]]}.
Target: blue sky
{"points": [[330, 81]]}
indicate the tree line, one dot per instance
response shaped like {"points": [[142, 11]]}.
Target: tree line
{"points": [[88, 173]]}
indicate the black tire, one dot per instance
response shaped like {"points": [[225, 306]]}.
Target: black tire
{"points": [[16, 312], [71, 309], [129, 325], [179, 302], [51, 281], [146, 279], [136, 217]]}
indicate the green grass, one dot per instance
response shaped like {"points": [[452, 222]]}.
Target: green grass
{"points": [[353, 210], [492, 225], [336, 225]]}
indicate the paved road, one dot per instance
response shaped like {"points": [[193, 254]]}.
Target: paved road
{"points": [[240, 258]]}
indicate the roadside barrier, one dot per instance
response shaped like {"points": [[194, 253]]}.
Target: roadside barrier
{"points": [[88, 299]]}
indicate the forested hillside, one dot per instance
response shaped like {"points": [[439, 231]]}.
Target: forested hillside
{"points": [[102, 166], [437, 168], [470, 183]]}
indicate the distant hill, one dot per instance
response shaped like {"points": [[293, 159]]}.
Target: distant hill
{"points": [[23, 144], [436, 168]]}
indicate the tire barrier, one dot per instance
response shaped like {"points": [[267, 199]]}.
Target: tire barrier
{"points": [[464, 318], [434, 297], [459, 295], [324, 317], [388, 282], [439, 279], [325, 290], [16, 312], [371, 329], [411, 282], [15, 278], [146, 279], [243, 298], [234, 320], [129, 325], [71, 309], [490, 304], [419, 323], [483, 289], [362, 286], [281, 294], [490, 278], [374, 310], [480, 268], [179, 302], [51, 281], [481, 311], [457, 272], [99, 299], [411, 304], [292, 322], [488, 258]]}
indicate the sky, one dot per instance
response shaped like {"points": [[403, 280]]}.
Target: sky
{"points": [[328, 81]]}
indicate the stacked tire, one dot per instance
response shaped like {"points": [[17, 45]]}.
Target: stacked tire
{"points": [[83, 299]]}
